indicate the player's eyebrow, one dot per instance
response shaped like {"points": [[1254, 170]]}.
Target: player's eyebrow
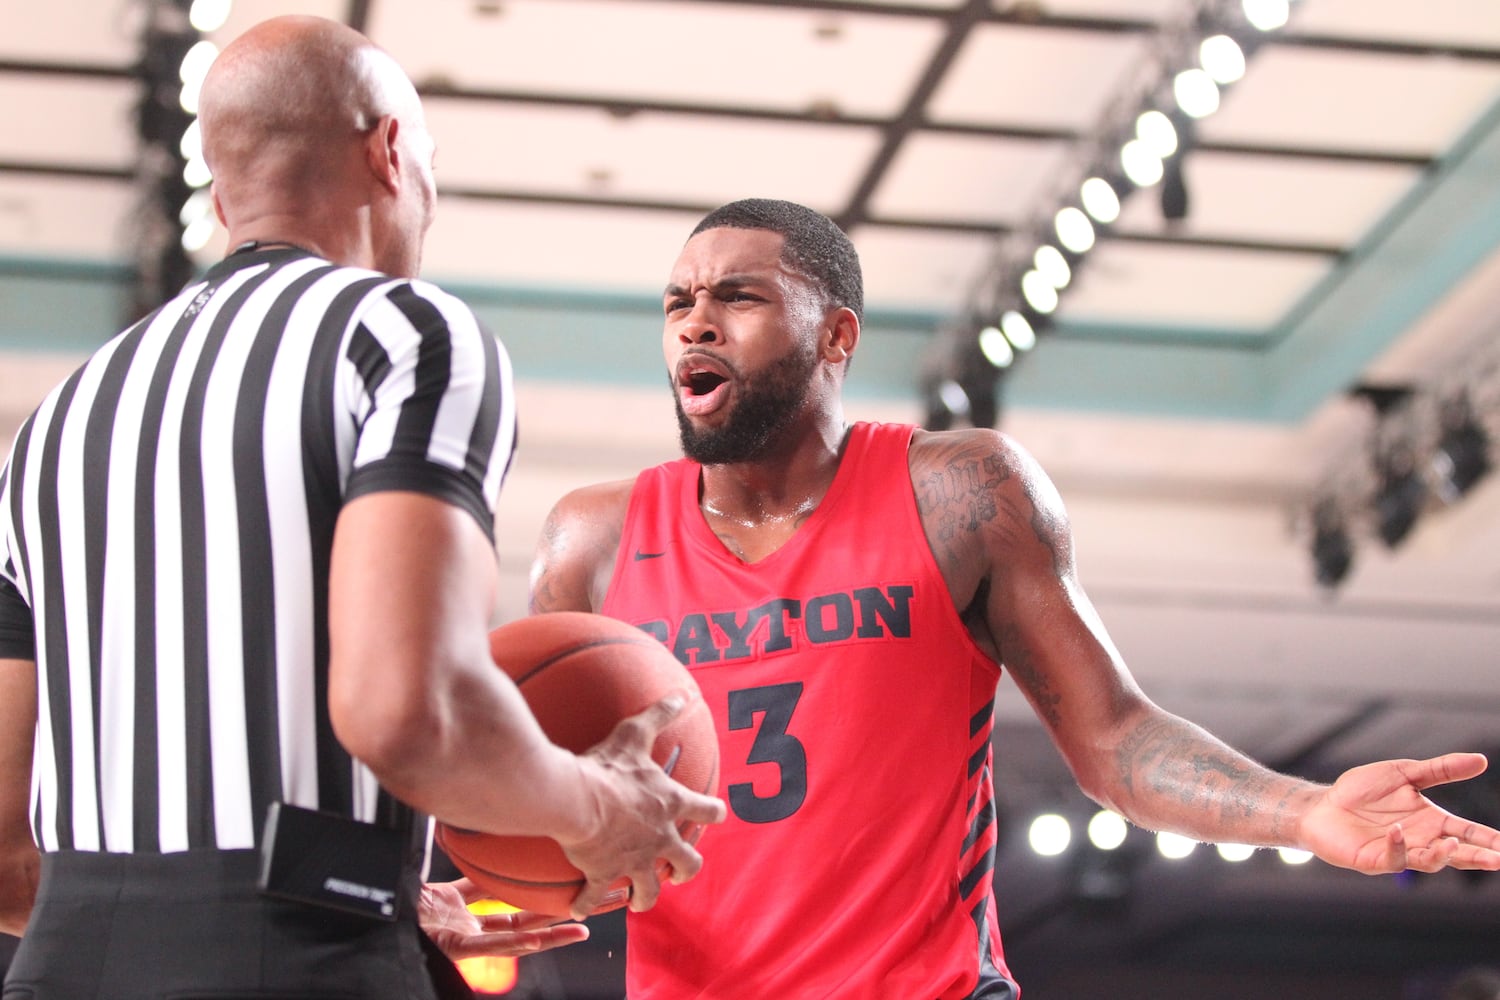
{"points": [[728, 281]]}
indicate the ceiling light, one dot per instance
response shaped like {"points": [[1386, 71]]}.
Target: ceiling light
{"points": [[1142, 166], [1017, 330], [1107, 830], [1049, 835], [1222, 58], [1196, 92], [1463, 450], [1267, 15], [1236, 852], [1100, 200], [1040, 293], [196, 173], [1157, 132], [1399, 496], [1293, 856], [1053, 266], [1332, 551], [996, 348], [1174, 846], [1074, 230], [208, 15]]}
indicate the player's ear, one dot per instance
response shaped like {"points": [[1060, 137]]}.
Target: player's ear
{"points": [[381, 154], [841, 335]]}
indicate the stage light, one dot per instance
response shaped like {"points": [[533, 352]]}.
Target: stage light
{"points": [[1107, 830], [1222, 59], [1197, 94], [1157, 132], [1332, 551], [194, 68], [1049, 835], [208, 15], [1174, 846], [1142, 166], [1053, 266], [1399, 495], [1267, 15], [1100, 200], [1039, 292], [997, 350], [1074, 230], [1462, 457], [1236, 852], [1017, 330]]}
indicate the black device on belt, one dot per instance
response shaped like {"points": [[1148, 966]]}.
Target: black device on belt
{"points": [[328, 860]]}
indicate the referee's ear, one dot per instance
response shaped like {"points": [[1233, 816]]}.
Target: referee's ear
{"points": [[381, 154]]}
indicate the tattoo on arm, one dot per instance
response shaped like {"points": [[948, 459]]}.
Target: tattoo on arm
{"points": [[1170, 758], [1031, 680]]}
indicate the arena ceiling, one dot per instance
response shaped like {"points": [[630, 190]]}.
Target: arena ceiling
{"points": [[1194, 392]]}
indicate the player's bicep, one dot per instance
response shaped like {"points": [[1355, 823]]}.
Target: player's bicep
{"points": [[1050, 638]]}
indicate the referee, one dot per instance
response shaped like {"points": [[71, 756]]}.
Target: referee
{"points": [[246, 573]]}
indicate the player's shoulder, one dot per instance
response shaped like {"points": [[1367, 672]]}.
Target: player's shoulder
{"points": [[985, 449], [595, 504]]}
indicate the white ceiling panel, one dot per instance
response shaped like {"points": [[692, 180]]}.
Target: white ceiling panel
{"points": [[961, 177], [1358, 101], [917, 270], [788, 59], [80, 31], [65, 217], [1321, 202], [1147, 10], [100, 114], [1036, 77], [673, 158], [245, 13], [1184, 286], [555, 246], [1434, 22]]}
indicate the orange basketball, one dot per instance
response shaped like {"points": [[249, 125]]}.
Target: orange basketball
{"points": [[580, 674]]}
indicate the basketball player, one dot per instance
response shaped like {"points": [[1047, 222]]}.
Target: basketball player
{"points": [[846, 597], [246, 574]]}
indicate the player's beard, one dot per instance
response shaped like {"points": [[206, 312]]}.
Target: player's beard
{"points": [[763, 407]]}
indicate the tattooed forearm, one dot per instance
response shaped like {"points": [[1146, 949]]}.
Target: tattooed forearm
{"points": [[1178, 776]]}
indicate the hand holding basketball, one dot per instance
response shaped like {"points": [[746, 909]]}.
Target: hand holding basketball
{"points": [[647, 760]]}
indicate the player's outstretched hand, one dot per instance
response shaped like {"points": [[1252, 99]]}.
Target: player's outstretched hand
{"points": [[1375, 819], [443, 911], [638, 810]]}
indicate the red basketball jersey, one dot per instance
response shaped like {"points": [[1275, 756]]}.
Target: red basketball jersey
{"points": [[854, 715]]}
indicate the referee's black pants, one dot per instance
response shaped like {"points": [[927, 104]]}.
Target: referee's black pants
{"points": [[192, 926]]}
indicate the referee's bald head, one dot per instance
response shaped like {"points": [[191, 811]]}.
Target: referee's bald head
{"points": [[294, 115]]}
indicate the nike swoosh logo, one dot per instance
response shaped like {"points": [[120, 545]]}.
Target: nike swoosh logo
{"points": [[639, 555]]}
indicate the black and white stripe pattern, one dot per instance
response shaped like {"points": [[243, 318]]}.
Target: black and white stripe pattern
{"points": [[168, 514]]}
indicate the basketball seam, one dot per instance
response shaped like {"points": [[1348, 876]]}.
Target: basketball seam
{"points": [[582, 647]]}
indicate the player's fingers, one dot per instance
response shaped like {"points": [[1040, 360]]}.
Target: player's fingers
{"points": [[1444, 769], [642, 728], [697, 808], [645, 888], [1434, 857], [596, 894], [680, 864]]}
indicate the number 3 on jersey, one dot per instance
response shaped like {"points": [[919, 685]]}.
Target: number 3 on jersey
{"points": [[775, 703]]}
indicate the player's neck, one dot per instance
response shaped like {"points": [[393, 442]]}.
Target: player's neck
{"points": [[776, 492]]}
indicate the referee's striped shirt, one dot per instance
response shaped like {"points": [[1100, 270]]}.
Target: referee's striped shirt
{"points": [[166, 520]]}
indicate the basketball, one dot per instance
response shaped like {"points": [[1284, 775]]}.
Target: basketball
{"points": [[581, 674]]}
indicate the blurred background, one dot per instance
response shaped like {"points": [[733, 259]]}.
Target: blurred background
{"points": [[1229, 268]]}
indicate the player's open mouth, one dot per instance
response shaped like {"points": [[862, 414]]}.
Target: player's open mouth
{"points": [[702, 385]]}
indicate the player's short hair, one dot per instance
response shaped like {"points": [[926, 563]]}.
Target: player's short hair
{"points": [[815, 245]]}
